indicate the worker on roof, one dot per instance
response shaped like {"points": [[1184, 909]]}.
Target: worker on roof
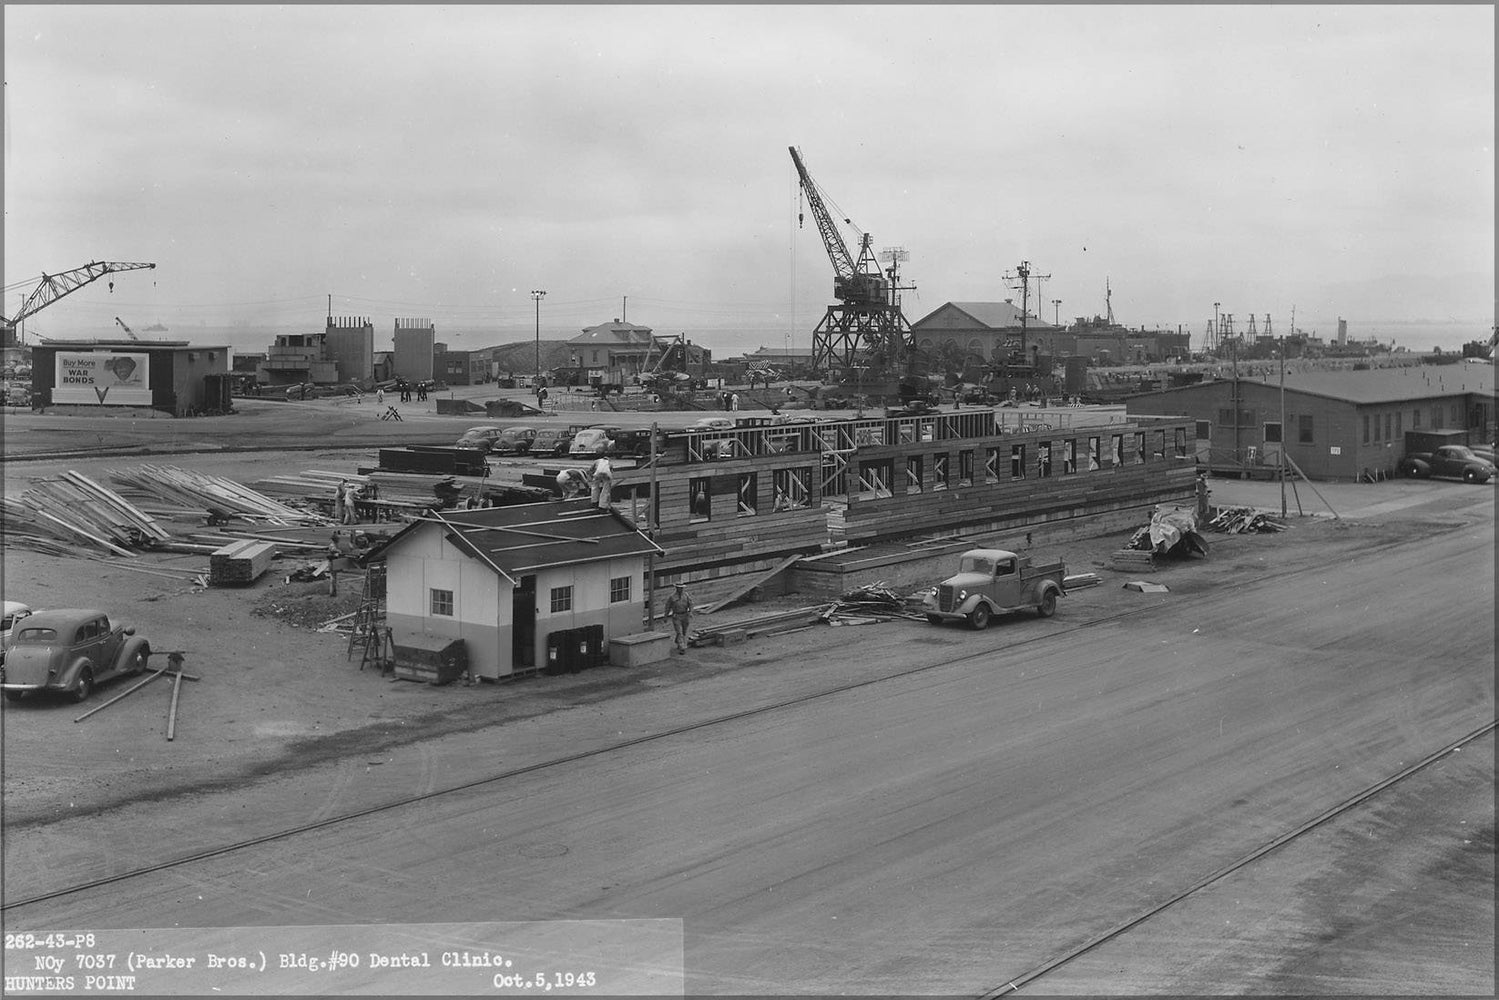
{"points": [[571, 483], [602, 480]]}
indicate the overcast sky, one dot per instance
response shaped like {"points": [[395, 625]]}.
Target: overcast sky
{"points": [[442, 162]]}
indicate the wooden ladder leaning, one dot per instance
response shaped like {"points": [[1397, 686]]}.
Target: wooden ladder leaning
{"points": [[370, 633]]}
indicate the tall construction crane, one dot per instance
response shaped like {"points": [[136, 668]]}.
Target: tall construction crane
{"points": [[865, 328], [55, 286], [126, 328]]}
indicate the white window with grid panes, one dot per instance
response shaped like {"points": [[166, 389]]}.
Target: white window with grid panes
{"points": [[619, 589], [442, 602], [562, 599]]}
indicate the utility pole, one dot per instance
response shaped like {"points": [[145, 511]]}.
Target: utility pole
{"points": [[538, 294], [1023, 275], [1283, 442]]}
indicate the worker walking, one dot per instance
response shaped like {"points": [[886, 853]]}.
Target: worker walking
{"points": [[603, 482], [679, 610]]}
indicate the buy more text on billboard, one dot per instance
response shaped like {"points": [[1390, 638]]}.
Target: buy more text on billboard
{"points": [[102, 378]]}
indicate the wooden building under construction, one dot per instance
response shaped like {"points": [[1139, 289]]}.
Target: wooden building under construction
{"points": [[755, 498]]}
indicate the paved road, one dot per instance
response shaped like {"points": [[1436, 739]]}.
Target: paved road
{"points": [[943, 832]]}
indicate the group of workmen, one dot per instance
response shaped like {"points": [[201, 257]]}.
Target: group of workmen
{"points": [[598, 481]]}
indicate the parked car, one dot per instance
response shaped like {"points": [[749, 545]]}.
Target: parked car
{"points": [[551, 442], [634, 441], [482, 437], [712, 424], [513, 441], [1452, 461], [15, 611], [592, 441], [69, 649]]}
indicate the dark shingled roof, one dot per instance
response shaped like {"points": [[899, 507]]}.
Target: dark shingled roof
{"points": [[1375, 386], [523, 538]]}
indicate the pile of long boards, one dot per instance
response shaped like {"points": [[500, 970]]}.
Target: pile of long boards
{"points": [[71, 510], [309, 484], [240, 562], [203, 493]]}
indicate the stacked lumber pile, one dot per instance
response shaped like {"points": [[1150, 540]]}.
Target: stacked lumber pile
{"points": [[241, 562], [1235, 520], [59, 515], [1133, 561], [772, 623], [867, 605], [309, 484], [203, 492]]}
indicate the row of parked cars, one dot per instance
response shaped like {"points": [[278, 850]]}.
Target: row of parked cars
{"points": [[599, 439], [555, 442], [71, 650]]}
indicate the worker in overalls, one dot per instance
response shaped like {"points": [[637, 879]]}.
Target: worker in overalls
{"points": [[679, 610]]}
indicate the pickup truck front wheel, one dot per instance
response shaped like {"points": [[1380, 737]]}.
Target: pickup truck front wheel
{"points": [[1048, 605], [978, 618]]}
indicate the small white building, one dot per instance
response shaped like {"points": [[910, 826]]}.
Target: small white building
{"points": [[503, 579]]}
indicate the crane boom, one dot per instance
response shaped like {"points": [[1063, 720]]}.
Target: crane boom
{"points": [[832, 239], [126, 328], [855, 283], [55, 286]]}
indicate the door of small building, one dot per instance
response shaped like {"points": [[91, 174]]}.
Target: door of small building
{"points": [[523, 624]]}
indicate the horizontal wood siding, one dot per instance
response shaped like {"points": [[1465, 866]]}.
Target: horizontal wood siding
{"points": [[731, 541]]}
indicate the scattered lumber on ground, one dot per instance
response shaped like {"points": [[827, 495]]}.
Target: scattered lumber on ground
{"points": [[186, 489], [1235, 520], [73, 509]]}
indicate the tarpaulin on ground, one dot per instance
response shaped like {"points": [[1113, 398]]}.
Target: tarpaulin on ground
{"points": [[1171, 529]]}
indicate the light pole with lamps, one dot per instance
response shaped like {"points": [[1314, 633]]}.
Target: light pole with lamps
{"points": [[1056, 312], [538, 294]]}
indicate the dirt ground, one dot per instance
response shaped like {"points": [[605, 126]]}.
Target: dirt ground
{"points": [[280, 689], [280, 694]]}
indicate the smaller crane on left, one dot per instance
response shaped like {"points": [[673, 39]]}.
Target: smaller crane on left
{"points": [[55, 286]]}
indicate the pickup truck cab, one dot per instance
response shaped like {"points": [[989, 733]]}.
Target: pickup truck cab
{"points": [[1452, 461], [993, 582]]}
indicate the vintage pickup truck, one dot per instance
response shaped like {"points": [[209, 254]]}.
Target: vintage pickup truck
{"points": [[990, 582], [1450, 460]]}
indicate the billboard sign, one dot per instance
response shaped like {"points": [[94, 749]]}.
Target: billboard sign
{"points": [[102, 378]]}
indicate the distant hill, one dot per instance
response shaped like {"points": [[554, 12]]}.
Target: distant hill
{"points": [[520, 357]]}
